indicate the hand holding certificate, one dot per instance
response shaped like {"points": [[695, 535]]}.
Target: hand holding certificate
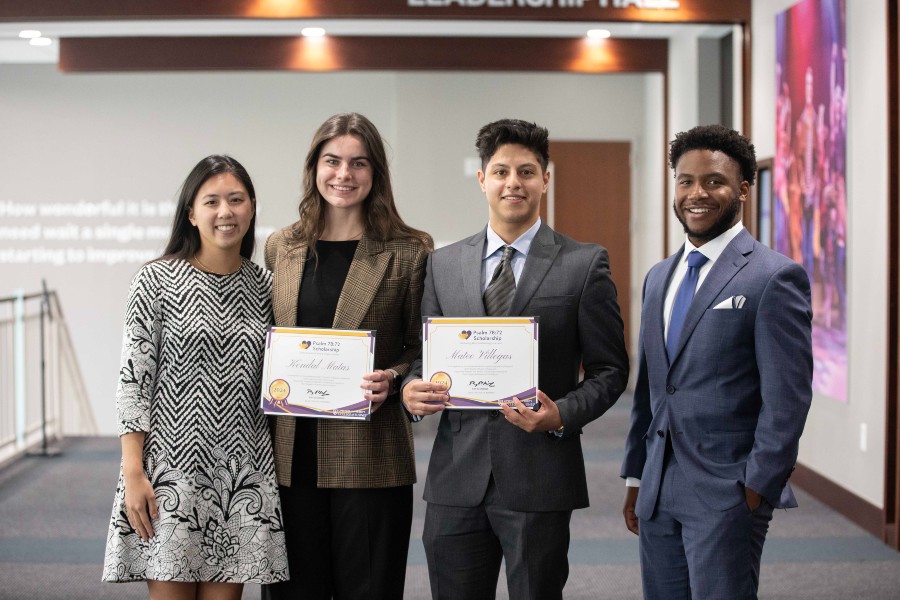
{"points": [[317, 372], [484, 362]]}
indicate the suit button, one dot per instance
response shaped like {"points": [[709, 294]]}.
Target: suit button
{"points": [[660, 433], [494, 414], [670, 389]]}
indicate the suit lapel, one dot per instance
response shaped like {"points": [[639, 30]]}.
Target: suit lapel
{"points": [[370, 262], [732, 260], [541, 255], [655, 331], [286, 282], [471, 259]]}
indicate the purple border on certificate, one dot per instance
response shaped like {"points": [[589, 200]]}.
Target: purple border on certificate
{"points": [[468, 331]]}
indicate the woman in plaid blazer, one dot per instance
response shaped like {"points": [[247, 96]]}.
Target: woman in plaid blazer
{"points": [[349, 262]]}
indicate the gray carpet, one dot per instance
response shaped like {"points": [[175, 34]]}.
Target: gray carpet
{"points": [[54, 514]]}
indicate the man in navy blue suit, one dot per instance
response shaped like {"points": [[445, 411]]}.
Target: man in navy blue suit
{"points": [[724, 385]]}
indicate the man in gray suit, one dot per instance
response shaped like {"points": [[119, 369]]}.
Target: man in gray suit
{"points": [[503, 484], [724, 385]]}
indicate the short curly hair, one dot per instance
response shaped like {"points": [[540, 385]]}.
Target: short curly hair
{"points": [[716, 137]]}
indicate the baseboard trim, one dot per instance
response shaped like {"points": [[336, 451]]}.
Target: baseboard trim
{"points": [[860, 511]]}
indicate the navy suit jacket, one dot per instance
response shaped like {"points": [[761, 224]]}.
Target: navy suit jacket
{"points": [[567, 285], [735, 397]]}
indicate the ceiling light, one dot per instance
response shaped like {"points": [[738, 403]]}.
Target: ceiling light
{"points": [[40, 41], [312, 32], [598, 34], [29, 34]]}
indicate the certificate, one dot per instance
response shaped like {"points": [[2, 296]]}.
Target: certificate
{"points": [[317, 372], [485, 362]]}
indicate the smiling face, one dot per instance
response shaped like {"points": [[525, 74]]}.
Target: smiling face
{"points": [[513, 183], [221, 212], [709, 194], [344, 173]]}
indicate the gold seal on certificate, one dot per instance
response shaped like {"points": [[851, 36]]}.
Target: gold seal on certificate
{"points": [[485, 362], [317, 372]]}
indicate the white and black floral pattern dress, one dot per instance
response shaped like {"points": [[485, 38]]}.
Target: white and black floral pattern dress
{"points": [[190, 379]]}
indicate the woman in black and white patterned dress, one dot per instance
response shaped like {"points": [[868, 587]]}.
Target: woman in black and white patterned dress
{"points": [[196, 511]]}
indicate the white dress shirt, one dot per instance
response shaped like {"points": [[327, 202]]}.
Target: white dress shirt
{"points": [[712, 250]]}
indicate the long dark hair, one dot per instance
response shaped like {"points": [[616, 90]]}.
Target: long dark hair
{"points": [[184, 241], [381, 220]]}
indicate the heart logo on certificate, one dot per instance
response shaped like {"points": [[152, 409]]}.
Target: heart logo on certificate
{"points": [[464, 334]]}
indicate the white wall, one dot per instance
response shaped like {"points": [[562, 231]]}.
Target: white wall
{"points": [[683, 111], [135, 136], [831, 441], [647, 226], [439, 115]]}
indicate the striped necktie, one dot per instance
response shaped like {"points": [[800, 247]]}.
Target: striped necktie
{"points": [[500, 291]]}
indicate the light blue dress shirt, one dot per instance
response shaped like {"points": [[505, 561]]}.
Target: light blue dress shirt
{"points": [[493, 254]]}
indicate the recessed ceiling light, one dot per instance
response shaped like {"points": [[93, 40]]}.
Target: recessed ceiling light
{"points": [[598, 34], [312, 32], [29, 34], [40, 41]]}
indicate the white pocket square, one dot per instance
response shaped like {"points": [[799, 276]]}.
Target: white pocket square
{"points": [[732, 302]]}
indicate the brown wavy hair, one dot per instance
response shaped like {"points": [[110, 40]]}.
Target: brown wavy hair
{"points": [[381, 220]]}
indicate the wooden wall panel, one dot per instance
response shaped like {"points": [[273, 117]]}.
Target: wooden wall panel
{"points": [[362, 53], [856, 509], [592, 203]]}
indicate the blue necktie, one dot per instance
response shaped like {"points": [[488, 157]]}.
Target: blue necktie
{"points": [[683, 298]]}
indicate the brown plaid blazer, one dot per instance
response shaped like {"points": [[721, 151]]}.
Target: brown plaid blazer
{"points": [[383, 291]]}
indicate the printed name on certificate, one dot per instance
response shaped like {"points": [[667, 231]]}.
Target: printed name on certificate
{"points": [[310, 372], [485, 362]]}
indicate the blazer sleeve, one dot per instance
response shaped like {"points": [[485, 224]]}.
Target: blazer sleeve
{"points": [[641, 415], [430, 306], [412, 315], [602, 339], [783, 338]]}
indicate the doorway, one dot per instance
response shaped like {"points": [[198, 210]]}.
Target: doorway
{"points": [[590, 200]]}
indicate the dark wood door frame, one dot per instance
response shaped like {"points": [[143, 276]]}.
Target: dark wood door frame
{"points": [[891, 519]]}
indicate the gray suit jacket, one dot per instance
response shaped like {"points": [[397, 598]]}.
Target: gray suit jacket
{"points": [[567, 285], [736, 394]]}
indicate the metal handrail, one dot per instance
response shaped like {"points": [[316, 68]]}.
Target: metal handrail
{"points": [[25, 297], [57, 364]]}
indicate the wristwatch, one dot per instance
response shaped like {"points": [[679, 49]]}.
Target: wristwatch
{"points": [[558, 433]]}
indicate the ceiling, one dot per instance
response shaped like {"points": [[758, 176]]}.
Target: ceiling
{"points": [[18, 51]]}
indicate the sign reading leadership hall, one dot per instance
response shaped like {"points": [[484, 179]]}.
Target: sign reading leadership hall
{"points": [[641, 4]]}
